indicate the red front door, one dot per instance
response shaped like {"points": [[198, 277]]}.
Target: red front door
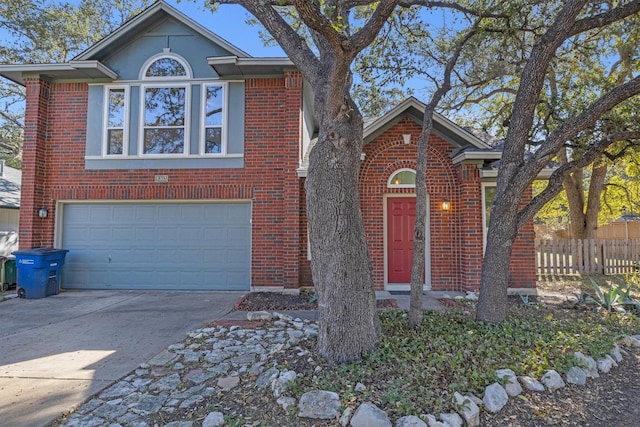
{"points": [[401, 218]]}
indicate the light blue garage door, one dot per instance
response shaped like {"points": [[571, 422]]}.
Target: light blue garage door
{"points": [[157, 246]]}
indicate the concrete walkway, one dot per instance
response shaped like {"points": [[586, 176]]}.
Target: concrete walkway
{"points": [[55, 352]]}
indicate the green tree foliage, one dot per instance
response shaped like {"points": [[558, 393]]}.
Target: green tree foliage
{"points": [[47, 31]]}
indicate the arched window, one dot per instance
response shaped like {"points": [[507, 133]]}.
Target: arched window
{"points": [[165, 105], [402, 178], [164, 66]]}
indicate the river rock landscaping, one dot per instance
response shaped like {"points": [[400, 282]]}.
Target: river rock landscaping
{"points": [[265, 372]]}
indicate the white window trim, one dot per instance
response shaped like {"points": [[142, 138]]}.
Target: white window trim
{"points": [[187, 120], [225, 124], [484, 186], [105, 118], [166, 54], [390, 184]]}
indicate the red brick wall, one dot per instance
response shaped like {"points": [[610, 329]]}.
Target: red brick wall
{"points": [[456, 236], [387, 154], [522, 269], [56, 128]]}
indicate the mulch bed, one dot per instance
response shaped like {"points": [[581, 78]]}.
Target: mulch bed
{"points": [[270, 301]]}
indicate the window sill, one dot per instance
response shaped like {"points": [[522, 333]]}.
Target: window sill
{"points": [[164, 162]]}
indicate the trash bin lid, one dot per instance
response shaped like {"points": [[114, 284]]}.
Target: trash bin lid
{"points": [[40, 251]]}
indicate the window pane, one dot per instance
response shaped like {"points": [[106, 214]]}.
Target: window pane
{"points": [[166, 67], [163, 141], [114, 141], [404, 178], [213, 113], [164, 106], [116, 108], [489, 194], [213, 141]]}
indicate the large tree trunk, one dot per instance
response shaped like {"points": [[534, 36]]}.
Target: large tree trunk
{"points": [[492, 302], [341, 267]]}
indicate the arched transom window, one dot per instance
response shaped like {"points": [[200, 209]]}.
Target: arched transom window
{"points": [[165, 66], [402, 178]]}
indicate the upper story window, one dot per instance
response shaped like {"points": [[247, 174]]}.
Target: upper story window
{"points": [[165, 106], [166, 121], [117, 111], [402, 178], [214, 117], [166, 67]]}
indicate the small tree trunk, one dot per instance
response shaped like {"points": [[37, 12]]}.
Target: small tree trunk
{"points": [[419, 232], [596, 186], [341, 267]]}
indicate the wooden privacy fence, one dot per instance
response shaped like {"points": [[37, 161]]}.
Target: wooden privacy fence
{"points": [[574, 256]]}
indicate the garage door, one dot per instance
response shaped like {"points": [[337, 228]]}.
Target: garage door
{"points": [[157, 246]]}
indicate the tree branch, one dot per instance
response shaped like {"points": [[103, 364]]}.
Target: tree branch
{"points": [[555, 181], [291, 42], [606, 18]]}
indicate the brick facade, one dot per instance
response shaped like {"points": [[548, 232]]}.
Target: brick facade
{"points": [[53, 170]]}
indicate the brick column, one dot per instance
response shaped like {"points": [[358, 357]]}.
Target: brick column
{"points": [[34, 163], [470, 217], [522, 267], [291, 207]]}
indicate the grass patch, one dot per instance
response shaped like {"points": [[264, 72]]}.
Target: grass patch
{"points": [[415, 371]]}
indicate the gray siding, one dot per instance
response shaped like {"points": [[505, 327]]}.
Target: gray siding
{"points": [[169, 34]]}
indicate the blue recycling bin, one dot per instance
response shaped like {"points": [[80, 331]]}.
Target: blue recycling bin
{"points": [[39, 271]]}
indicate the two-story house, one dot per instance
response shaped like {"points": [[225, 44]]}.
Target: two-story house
{"points": [[163, 157]]}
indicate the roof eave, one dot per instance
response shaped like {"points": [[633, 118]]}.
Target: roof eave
{"points": [[492, 174], [71, 70], [232, 66], [467, 156]]}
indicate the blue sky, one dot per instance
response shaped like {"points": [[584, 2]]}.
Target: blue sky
{"points": [[229, 23]]}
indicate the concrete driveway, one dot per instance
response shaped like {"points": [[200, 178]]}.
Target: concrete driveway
{"points": [[57, 351]]}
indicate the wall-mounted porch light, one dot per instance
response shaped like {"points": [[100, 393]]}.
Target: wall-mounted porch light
{"points": [[43, 212], [446, 205]]}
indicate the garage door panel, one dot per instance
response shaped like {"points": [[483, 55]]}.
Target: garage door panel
{"points": [[238, 215], [100, 215], [157, 246], [237, 234], [123, 234]]}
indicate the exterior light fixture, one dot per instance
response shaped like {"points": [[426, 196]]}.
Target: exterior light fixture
{"points": [[43, 212], [446, 205]]}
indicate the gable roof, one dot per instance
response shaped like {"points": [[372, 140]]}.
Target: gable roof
{"points": [[468, 146], [414, 109], [88, 65], [155, 13]]}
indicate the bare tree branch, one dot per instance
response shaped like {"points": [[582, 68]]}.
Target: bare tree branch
{"points": [[293, 44], [606, 18]]}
